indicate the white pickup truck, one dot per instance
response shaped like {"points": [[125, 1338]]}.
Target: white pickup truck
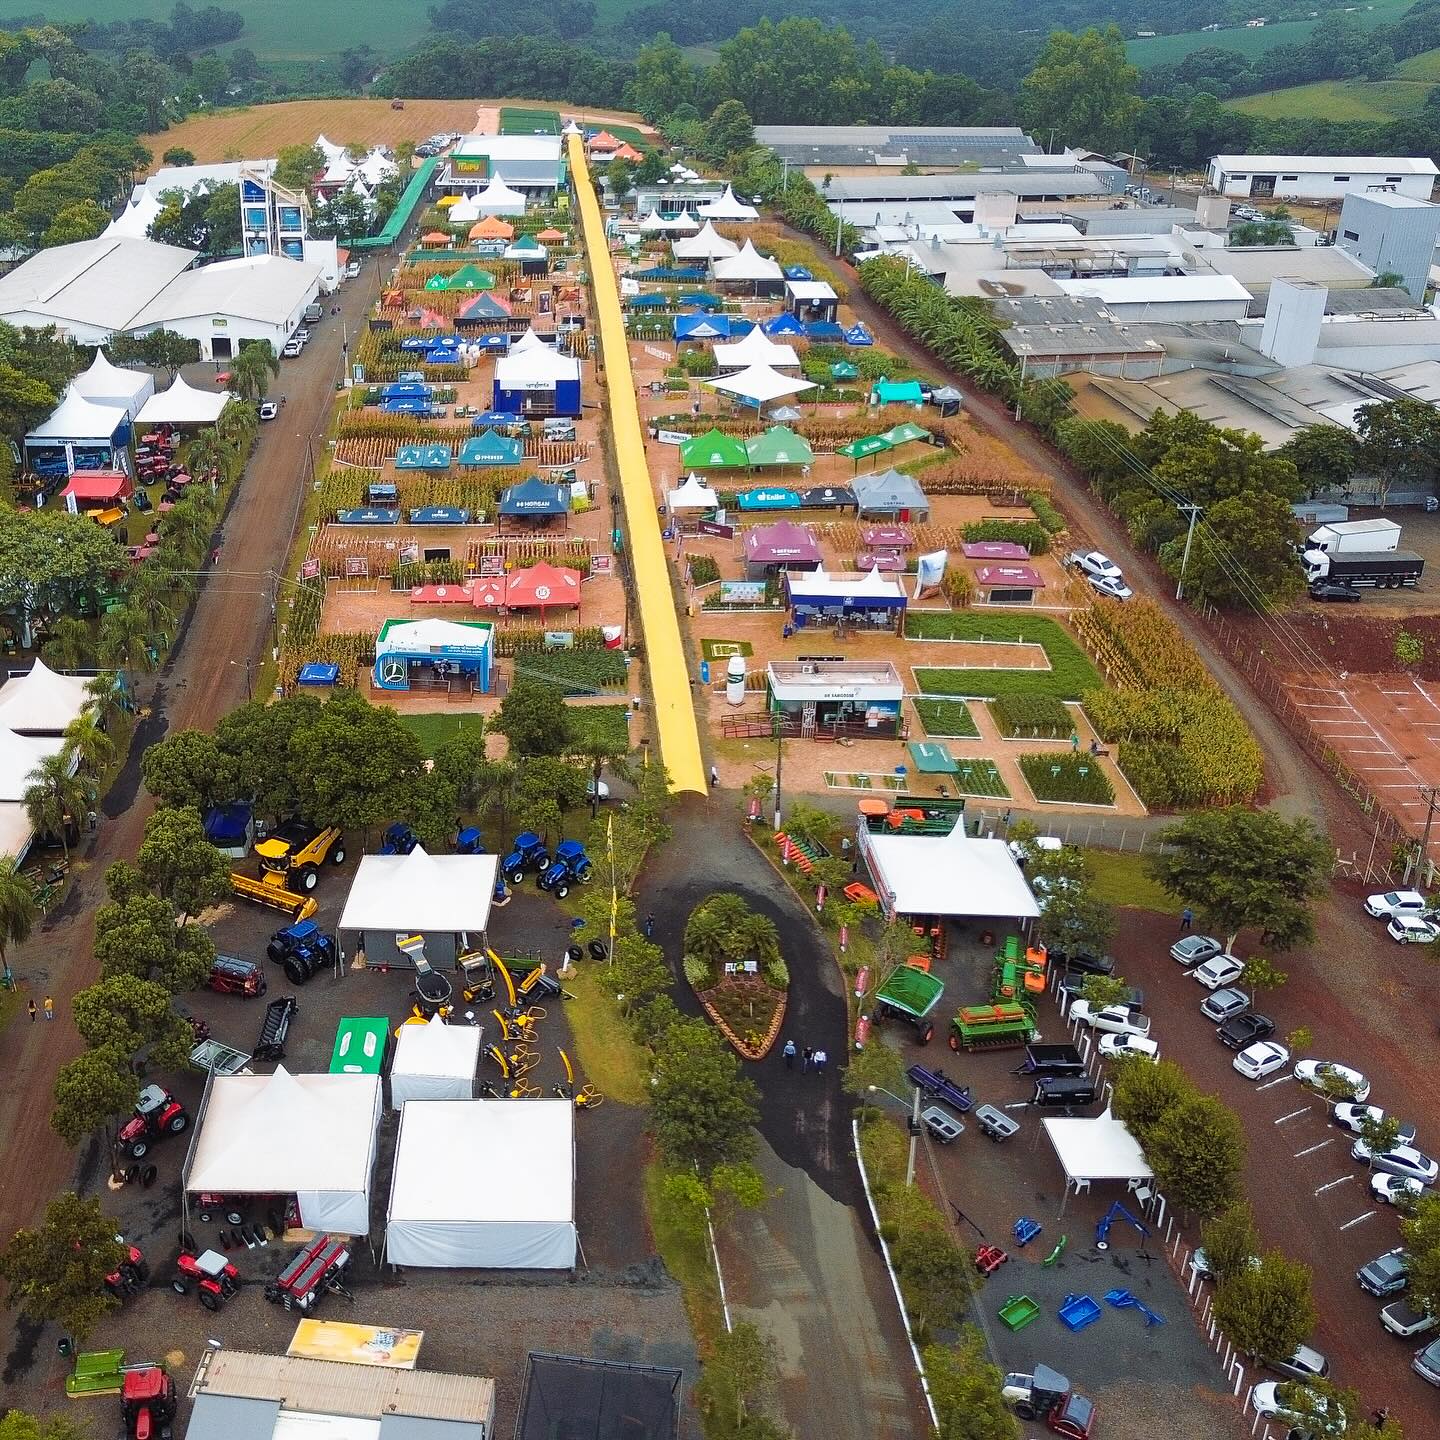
{"points": [[1111, 1019]]}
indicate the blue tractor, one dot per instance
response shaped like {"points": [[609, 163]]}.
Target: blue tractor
{"points": [[571, 866], [302, 950], [398, 839], [468, 841], [527, 852]]}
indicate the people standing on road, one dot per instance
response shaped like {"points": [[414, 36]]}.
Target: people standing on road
{"points": [[714, 777], [789, 1053], [49, 1008], [805, 1058], [1187, 918], [650, 926], [32, 1012], [820, 1058], [1074, 742]]}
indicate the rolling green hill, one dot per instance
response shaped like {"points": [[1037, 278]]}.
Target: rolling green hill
{"points": [[1372, 100], [1166, 49]]}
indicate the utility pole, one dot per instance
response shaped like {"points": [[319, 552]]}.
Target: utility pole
{"points": [[1020, 388], [1431, 795], [778, 720], [1193, 511], [839, 227]]}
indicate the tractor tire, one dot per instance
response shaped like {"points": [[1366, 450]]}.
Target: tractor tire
{"points": [[211, 1301], [262, 987], [562, 889], [205, 1217], [148, 1176], [308, 877], [297, 972], [139, 1148], [927, 1034], [1025, 1410], [132, 1174], [575, 954], [275, 951], [176, 1123], [234, 1217], [180, 1285], [955, 1042], [142, 1272], [597, 949], [516, 877], [586, 875], [337, 855]]}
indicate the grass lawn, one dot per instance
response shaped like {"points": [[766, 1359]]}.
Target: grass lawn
{"points": [[979, 777], [687, 1257], [1070, 674], [1373, 101], [605, 1055], [947, 719], [1166, 49], [519, 120], [604, 721], [724, 649], [1120, 879], [432, 731]]}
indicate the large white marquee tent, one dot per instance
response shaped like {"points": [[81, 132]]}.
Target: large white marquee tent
{"points": [[434, 1061], [42, 701], [182, 404], [311, 1136], [484, 1184]]}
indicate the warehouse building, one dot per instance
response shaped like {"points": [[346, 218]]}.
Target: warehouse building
{"points": [[1391, 234], [531, 164], [1320, 177]]}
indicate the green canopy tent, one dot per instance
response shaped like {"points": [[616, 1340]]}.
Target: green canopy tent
{"points": [[470, 277], [897, 392], [844, 370], [713, 451], [905, 433], [488, 448], [864, 448], [779, 446], [438, 282], [929, 757]]}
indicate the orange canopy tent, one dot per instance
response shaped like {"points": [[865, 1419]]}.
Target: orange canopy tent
{"points": [[492, 228], [604, 143], [550, 235], [627, 152], [487, 592], [435, 237]]}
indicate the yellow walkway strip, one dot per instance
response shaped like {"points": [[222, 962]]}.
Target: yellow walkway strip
{"points": [[664, 653]]}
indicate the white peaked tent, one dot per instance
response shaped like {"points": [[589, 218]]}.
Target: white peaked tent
{"points": [[727, 207], [331, 151], [434, 1062], [535, 369], [311, 1136], [707, 245], [182, 404], [135, 220], [464, 211], [682, 223], [107, 384], [19, 756], [749, 264], [41, 702], [484, 1184], [497, 198], [693, 495], [756, 348], [78, 419], [653, 223], [759, 384], [528, 341]]}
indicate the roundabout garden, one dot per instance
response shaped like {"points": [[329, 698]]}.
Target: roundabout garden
{"points": [[733, 963]]}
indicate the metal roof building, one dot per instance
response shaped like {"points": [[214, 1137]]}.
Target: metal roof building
{"points": [[897, 145]]}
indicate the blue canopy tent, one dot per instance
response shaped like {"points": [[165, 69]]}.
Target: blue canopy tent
{"points": [[444, 357], [417, 342], [489, 448], [231, 828], [702, 327], [371, 515], [533, 499], [666, 272], [783, 324], [439, 515], [702, 300], [770, 497], [444, 342], [797, 272], [490, 418], [858, 335], [317, 672], [433, 456], [407, 405], [406, 390], [824, 330], [498, 343]]}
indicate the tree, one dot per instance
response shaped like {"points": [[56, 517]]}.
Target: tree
{"points": [[180, 864], [252, 370], [135, 1017], [1261, 973], [257, 738], [1099, 991], [1085, 88], [1326, 456], [17, 1425], [188, 767], [49, 559], [1266, 1310], [1260, 232], [702, 1108], [92, 1091], [619, 177], [1144, 1093], [209, 74], [533, 718], [728, 131], [1197, 1150], [652, 169], [1231, 1241], [1075, 920], [877, 1066], [54, 799], [87, 741], [739, 1376], [599, 751], [178, 155], [1400, 440], [82, 220], [1420, 1230], [56, 1272], [1240, 868], [18, 910], [136, 934], [1244, 545], [936, 1275], [125, 639], [965, 1386], [297, 165], [166, 350], [69, 645], [663, 78], [147, 82]]}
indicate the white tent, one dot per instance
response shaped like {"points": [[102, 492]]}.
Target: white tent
{"points": [[756, 348], [135, 220], [759, 384], [311, 1136], [434, 1062], [16, 832], [41, 702], [19, 757], [536, 369], [182, 404], [707, 245], [463, 212], [727, 207], [947, 875], [331, 151], [528, 341], [1101, 1148], [442, 897], [683, 223], [107, 384], [693, 495], [79, 419], [484, 1184], [497, 198], [749, 265], [653, 223]]}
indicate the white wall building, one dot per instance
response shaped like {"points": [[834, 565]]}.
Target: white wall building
{"points": [[1320, 177], [532, 164], [1185, 298]]}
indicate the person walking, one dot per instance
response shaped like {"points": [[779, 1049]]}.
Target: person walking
{"points": [[650, 926], [820, 1058], [1074, 742], [789, 1054], [805, 1058], [32, 1012], [49, 1008], [1187, 918], [714, 777]]}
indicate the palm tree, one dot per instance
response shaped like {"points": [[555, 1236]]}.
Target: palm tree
{"points": [[69, 645], [18, 910], [253, 369], [124, 639], [204, 454], [54, 798], [106, 697], [89, 744], [599, 753], [498, 787], [237, 423]]}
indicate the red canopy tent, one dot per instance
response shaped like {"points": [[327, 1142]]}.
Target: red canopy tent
{"points": [[96, 487], [440, 594], [488, 592], [542, 586]]}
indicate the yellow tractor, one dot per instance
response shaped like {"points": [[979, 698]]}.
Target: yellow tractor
{"points": [[290, 860]]}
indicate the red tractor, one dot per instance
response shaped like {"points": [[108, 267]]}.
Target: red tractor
{"points": [[147, 1403], [157, 1114], [210, 1275], [130, 1275]]}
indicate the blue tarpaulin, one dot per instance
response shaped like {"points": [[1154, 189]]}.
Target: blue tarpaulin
{"points": [[227, 825], [647, 302], [823, 330], [416, 342], [665, 272], [499, 342], [702, 327], [797, 272], [423, 457], [371, 515], [439, 515], [444, 357], [490, 449], [318, 673], [405, 390], [490, 418], [702, 300]]}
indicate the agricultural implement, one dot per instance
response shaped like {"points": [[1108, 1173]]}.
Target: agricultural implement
{"points": [[1018, 1311], [938, 1084], [571, 866], [995, 1124], [910, 994], [157, 1114], [310, 1274], [97, 1372], [290, 861], [1019, 970], [1078, 1311], [1124, 1300], [275, 1028], [302, 950], [993, 1027], [230, 975]]}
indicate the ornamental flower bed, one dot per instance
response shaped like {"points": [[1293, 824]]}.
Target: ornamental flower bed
{"points": [[733, 963]]}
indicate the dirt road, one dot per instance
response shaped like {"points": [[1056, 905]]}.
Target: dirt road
{"points": [[207, 675]]}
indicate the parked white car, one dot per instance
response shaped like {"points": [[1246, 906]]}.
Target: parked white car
{"points": [[1396, 902], [1352, 1117], [1220, 970], [1114, 1047], [1403, 1160], [1288, 1401], [291, 349], [1317, 1074], [1263, 1058], [1411, 930], [1112, 1019], [1393, 1189], [1110, 585], [1094, 563]]}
